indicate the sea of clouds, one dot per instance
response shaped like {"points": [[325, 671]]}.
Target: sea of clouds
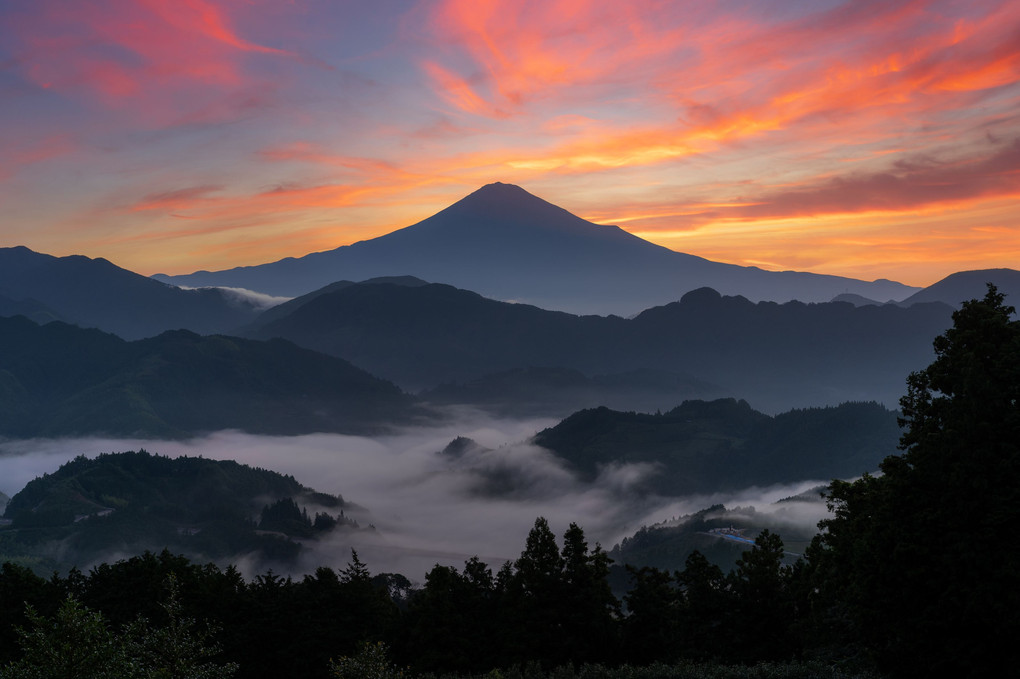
{"points": [[428, 508]]}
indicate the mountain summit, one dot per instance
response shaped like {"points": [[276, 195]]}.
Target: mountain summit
{"points": [[508, 244]]}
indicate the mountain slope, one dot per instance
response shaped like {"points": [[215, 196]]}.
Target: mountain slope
{"points": [[505, 243], [129, 502], [712, 446], [96, 293], [777, 356], [58, 380], [435, 333], [963, 285]]}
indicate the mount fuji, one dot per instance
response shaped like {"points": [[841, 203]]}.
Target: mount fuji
{"points": [[508, 244]]}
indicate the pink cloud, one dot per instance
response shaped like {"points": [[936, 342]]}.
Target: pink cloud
{"points": [[159, 59], [18, 154]]}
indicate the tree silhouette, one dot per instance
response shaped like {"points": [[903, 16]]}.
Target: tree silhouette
{"points": [[924, 553]]}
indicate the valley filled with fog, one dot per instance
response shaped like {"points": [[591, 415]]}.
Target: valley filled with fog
{"points": [[426, 507]]}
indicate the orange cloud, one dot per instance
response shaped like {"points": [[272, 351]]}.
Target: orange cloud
{"points": [[527, 51], [177, 199]]}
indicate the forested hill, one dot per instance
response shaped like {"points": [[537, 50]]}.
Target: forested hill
{"points": [[59, 380], [129, 502], [707, 446]]}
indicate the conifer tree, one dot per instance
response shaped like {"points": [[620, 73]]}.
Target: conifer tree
{"points": [[924, 553]]}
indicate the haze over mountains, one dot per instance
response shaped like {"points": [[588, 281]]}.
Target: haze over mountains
{"points": [[504, 243], [777, 356], [460, 345]]}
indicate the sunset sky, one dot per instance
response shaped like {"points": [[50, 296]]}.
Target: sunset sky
{"points": [[869, 139]]}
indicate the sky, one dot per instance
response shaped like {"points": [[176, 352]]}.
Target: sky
{"points": [[865, 138]]}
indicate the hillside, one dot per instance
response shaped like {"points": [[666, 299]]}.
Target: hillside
{"points": [[95, 293], [705, 447], [61, 380], [130, 502], [425, 335], [711, 531], [964, 285]]}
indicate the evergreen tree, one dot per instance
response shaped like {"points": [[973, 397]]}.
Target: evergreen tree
{"points": [[704, 602], [761, 610], [652, 625], [179, 649], [590, 610], [533, 600], [75, 644], [924, 553]]}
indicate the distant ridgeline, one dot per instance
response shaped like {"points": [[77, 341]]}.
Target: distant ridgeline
{"points": [[464, 348], [61, 380], [130, 502]]}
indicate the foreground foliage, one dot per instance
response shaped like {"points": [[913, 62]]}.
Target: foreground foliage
{"points": [[78, 644]]}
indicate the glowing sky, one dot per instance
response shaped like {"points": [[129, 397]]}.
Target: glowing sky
{"points": [[870, 139]]}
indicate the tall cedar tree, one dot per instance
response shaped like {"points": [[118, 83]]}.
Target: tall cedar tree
{"points": [[926, 554]]}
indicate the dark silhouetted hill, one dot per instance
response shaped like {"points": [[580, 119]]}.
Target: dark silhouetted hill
{"points": [[963, 285], [856, 300], [30, 308], [712, 446], [58, 380], [130, 502], [290, 306], [95, 293], [505, 243], [464, 347], [667, 545], [430, 334]]}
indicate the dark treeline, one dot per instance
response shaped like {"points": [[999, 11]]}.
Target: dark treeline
{"points": [[552, 607], [914, 574]]}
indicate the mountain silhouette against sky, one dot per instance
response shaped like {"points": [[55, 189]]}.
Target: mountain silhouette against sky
{"points": [[963, 285], [507, 244], [97, 293]]}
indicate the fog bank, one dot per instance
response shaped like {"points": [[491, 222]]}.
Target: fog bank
{"points": [[426, 508]]}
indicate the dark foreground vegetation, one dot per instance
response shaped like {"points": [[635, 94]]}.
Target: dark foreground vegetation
{"points": [[914, 575]]}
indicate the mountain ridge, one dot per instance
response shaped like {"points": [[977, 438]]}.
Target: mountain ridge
{"points": [[97, 293], [60, 380], [776, 355]]}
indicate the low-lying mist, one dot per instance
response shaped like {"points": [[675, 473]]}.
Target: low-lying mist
{"points": [[428, 508]]}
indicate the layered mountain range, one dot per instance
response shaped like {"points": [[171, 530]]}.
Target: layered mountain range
{"points": [[691, 335], [465, 348]]}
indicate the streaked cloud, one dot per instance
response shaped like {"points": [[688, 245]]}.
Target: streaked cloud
{"points": [[212, 133]]}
